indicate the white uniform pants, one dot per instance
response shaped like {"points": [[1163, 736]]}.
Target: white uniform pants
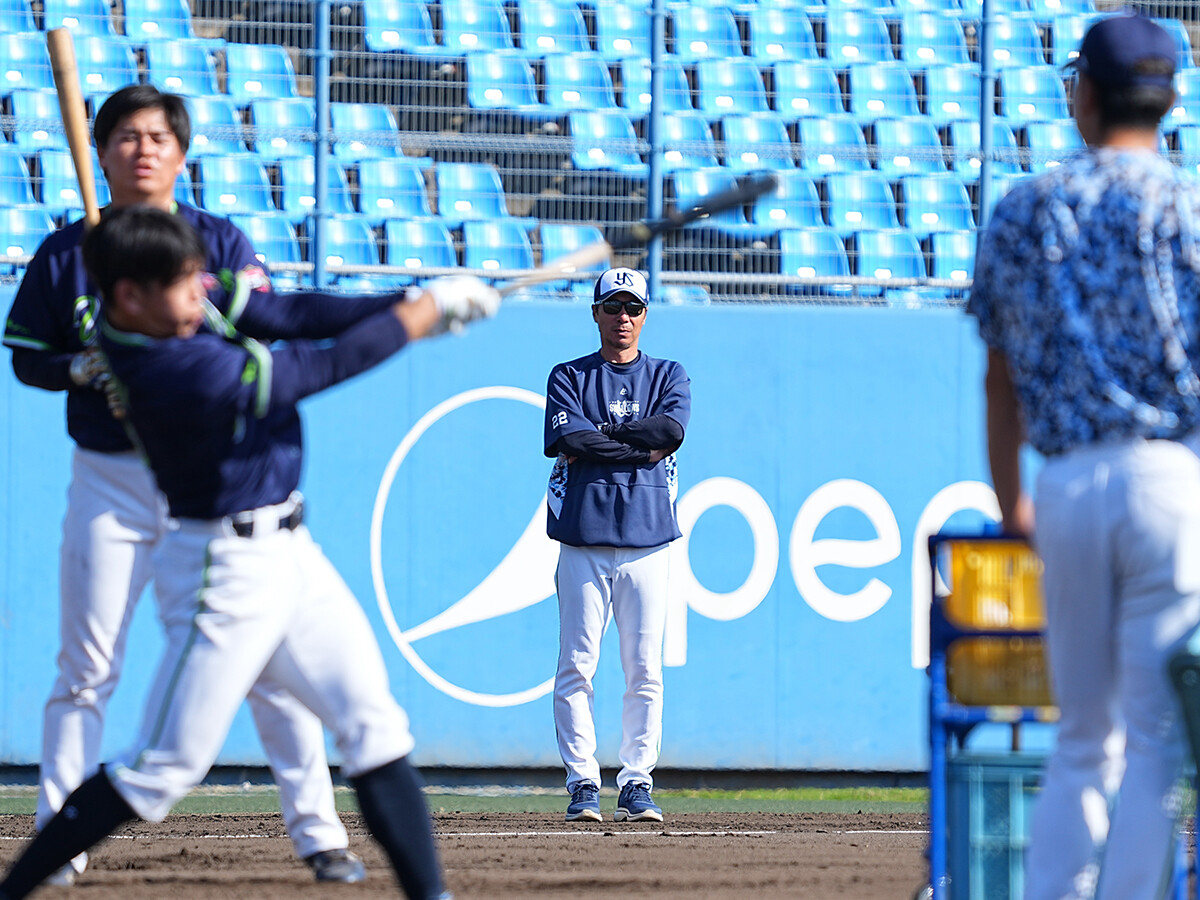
{"points": [[115, 516], [631, 586], [237, 610], [1118, 527]]}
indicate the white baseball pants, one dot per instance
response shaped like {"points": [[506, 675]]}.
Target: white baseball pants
{"points": [[1118, 527], [115, 517], [237, 610], [630, 585]]}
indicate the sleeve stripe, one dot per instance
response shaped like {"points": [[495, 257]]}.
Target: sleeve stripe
{"points": [[25, 343], [241, 296], [265, 365]]}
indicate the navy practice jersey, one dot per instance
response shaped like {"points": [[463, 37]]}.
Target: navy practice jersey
{"points": [[595, 502]]}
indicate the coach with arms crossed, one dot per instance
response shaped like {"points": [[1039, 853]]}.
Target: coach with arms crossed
{"points": [[1087, 294], [614, 420]]}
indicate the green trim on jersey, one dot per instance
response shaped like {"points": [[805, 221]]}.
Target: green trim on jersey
{"points": [[126, 338]]}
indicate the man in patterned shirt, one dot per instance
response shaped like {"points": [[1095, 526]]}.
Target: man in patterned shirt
{"points": [[1086, 289]]}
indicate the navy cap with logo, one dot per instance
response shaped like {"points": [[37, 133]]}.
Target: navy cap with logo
{"points": [[620, 281], [1127, 51]]}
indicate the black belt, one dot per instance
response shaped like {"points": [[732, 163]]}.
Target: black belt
{"points": [[243, 523]]}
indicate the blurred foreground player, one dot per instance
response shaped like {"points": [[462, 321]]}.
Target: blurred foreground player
{"points": [[1087, 291], [245, 592]]}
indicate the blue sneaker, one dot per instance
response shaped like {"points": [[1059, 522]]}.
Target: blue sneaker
{"points": [[585, 803], [635, 805]]}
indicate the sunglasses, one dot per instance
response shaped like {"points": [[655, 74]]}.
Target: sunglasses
{"points": [[613, 307]]}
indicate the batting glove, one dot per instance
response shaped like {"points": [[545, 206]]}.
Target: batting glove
{"points": [[90, 369], [461, 299]]}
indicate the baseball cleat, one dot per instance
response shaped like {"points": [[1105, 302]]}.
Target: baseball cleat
{"points": [[341, 866], [585, 803], [635, 805]]}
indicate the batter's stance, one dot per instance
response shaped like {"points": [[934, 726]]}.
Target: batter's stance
{"points": [[614, 420], [114, 513], [1087, 291], [245, 592]]}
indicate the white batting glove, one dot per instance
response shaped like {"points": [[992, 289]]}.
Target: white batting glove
{"points": [[89, 368], [461, 299]]}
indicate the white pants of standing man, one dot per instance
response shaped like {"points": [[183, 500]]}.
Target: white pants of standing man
{"points": [[631, 586], [1118, 527]]}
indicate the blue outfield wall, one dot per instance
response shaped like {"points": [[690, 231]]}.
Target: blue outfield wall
{"points": [[825, 444]]}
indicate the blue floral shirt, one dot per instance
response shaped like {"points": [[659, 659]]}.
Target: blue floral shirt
{"points": [[1087, 282]]}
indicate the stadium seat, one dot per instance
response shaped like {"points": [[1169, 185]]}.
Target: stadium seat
{"points": [[282, 127], [683, 295], [688, 143], [504, 81], [16, 187], [258, 72], [552, 26], [965, 149], [81, 16], [467, 191], [147, 21], [623, 29], [1032, 94], [1183, 42], [793, 204], [1066, 34], [755, 142], [59, 185], [856, 35], [578, 81], [807, 89], [399, 25], [496, 245], [1016, 41], [475, 25], [562, 239], [349, 241], [702, 31], [832, 143], [392, 188], [972, 10], [860, 200], [892, 253], [1187, 138], [36, 120], [363, 130], [604, 140], [935, 203], [952, 94], [635, 86], [814, 253], [932, 39], [419, 244], [880, 89], [907, 146], [236, 183], [274, 241], [182, 67], [781, 33], [1046, 11], [22, 229], [730, 86], [952, 255], [16, 17], [185, 189], [690, 185], [1050, 143], [297, 182], [216, 126], [1187, 99], [105, 64]]}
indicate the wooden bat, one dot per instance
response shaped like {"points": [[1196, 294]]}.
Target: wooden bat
{"points": [[745, 192], [74, 116]]}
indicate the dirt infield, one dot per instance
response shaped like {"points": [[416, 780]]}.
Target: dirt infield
{"points": [[695, 856]]}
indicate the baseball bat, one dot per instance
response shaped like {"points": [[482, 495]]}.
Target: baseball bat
{"points": [[74, 116], [746, 191]]}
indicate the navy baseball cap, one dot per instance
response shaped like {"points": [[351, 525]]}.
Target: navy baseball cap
{"points": [[1116, 51], [620, 281]]}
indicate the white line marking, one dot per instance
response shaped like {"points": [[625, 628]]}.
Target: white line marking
{"points": [[604, 833]]}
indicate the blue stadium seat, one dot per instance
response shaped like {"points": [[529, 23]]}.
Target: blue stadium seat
{"points": [[702, 31], [683, 295], [1187, 138], [755, 142], [604, 140], [158, 20], [105, 64], [469, 191], [1046, 11], [1016, 41], [16, 187], [907, 146], [1050, 143], [1032, 94], [81, 16], [350, 241], [793, 204], [475, 25], [635, 86], [392, 188], [258, 72], [952, 94], [185, 189], [932, 39], [22, 229], [688, 143], [399, 25], [860, 200], [274, 241], [216, 126], [832, 143], [935, 203], [881, 89], [972, 10], [1183, 42], [182, 67], [578, 81], [690, 185], [297, 182], [623, 29], [562, 239], [965, 148], [552, 26], [504, 81], [952, 255], [59, 185], [282, 127], [730, 86], [1187, 99], [807, 89], [496, 245], [36, 120], [237, 183], [891, 253], [856, 35], [781, 33], [1066, 34], [419, 244], [16, 17], [363, 130], [814, 253]]}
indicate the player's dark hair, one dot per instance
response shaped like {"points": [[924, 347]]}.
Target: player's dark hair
{"points": [[143, 243], [1137, 106], [136, 97]]}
